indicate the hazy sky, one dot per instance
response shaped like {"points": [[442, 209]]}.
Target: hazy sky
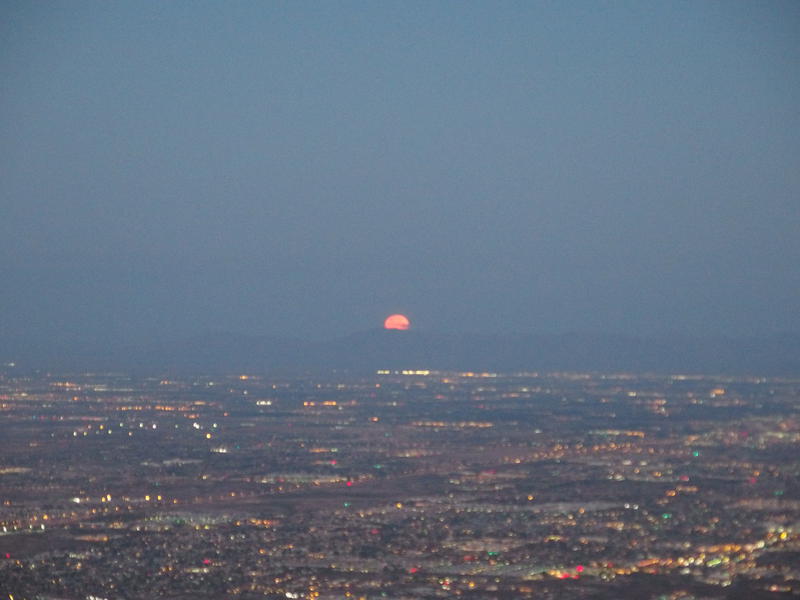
{"points": [[172, 168]]}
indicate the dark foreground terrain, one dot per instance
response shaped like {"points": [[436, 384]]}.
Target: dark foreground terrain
{"points": [[410, 484]]}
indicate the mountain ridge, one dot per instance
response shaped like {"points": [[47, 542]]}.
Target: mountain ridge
{"points": [[224, 352]]}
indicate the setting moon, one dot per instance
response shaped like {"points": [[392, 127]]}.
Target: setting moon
{"points": [[397, 322]]}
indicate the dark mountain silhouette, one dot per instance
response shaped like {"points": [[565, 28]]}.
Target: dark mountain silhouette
{"points": [[382, 349]]}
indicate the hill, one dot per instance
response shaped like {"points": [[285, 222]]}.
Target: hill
{"points": [[381, 349]]}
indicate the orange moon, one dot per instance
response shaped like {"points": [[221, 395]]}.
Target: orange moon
{"points": [[397, 322]]}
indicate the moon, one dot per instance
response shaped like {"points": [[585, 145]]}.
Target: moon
{"points": [[397, 321]]}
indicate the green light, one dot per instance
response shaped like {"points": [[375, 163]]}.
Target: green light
{"points": [[696, 453], [347, 505], [666, 516]]}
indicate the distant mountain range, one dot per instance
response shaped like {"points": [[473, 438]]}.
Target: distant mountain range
{"points": [[383, 349]]}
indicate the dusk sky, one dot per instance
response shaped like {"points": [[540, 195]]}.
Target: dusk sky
{"points": [[307, 168]]}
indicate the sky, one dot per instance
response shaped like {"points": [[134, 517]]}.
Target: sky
{"points": [[306, 168]]}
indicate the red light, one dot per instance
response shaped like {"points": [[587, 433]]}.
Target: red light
{"points": [[413, 570], [579, 568], [374, 531], [349, 484], [400, 322], [206, 561], [8, 555]]}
